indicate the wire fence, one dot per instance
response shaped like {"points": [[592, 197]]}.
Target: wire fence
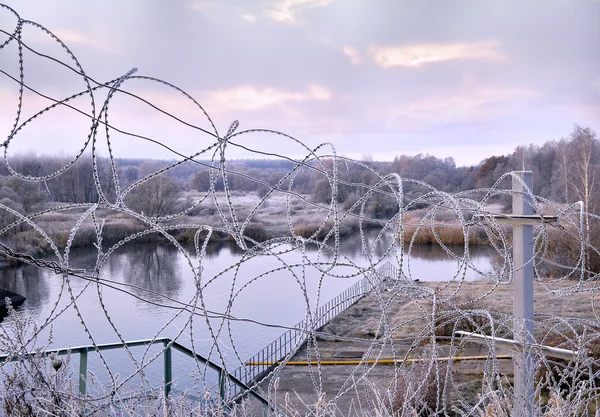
{"points": [[427, 332]]}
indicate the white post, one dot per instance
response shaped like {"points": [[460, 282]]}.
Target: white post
{"points": [[523, 298]]}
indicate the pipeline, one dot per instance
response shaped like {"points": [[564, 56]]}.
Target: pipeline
{"points": [[376, 361]]}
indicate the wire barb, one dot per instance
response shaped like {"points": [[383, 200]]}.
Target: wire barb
{"points": [[402, 319]]}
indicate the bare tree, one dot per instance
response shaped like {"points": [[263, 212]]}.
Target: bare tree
{"points": [[560, 172], [157, 196], [584, 167]]}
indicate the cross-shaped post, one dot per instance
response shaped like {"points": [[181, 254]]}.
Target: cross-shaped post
{"points": [[523, 344], [523, 293]]}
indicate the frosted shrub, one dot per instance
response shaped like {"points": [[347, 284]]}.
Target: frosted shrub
{"points": [[36, 383]]}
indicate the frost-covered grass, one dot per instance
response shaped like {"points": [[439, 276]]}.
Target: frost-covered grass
{"points": [[408, 317]]}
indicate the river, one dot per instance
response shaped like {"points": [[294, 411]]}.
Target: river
{"points": [[144, 275]]}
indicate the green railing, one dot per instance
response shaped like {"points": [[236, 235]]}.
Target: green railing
{"points": [[238, 389]]}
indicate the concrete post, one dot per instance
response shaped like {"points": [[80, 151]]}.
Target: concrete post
{"points": [[523, 298]]}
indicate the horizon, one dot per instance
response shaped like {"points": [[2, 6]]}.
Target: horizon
{"points": [[142, 159]]}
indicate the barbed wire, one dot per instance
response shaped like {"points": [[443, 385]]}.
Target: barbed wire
{"points": [[425, 332]]}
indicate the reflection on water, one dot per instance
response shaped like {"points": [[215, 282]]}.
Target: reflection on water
{"points": [[377, 245], [25, 280], [149, 270], [215, 247], [161, 268], [149, 267], [435, 253], [371, 245]]}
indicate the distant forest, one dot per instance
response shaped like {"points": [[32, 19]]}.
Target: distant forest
{"points": [[565, 171]]}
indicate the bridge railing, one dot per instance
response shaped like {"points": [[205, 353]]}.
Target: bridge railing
{"points": [[389, 271], [292, 340], [229, 386]]}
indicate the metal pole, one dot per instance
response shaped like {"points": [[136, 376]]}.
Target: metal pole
{"points": [[523, 297], [83, 359], [168, 368], [222, 386]]}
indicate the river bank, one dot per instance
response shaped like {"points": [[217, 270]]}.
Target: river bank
{"points": [[365, 330], [276, 217]]}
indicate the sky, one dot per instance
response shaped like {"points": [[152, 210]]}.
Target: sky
{"points": [[374, 78]]}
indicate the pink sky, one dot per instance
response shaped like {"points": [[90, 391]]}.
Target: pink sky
{"points": [[466, 79]]}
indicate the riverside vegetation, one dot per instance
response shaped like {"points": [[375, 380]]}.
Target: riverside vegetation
{"points": [[564, 171]]}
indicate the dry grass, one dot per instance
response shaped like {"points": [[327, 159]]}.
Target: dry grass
{"points": [[460, 306], [448, 235], [408, 317], [445, 228]]}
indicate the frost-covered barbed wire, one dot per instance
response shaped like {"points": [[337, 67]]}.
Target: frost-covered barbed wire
{"points": [[426, 333]]}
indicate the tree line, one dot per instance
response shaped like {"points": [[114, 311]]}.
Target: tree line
{"points": [[564, 171]]}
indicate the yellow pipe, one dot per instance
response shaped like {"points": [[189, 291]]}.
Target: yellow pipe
{"points": [[380, 361]]}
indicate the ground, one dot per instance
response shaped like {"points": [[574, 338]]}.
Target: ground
{"points": [[352, 335]]}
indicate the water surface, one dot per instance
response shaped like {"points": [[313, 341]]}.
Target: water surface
{"points": [[150, 279]]}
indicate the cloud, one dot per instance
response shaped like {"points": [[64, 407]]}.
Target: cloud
{"points": [[287, 11], [206, 7], [222, 11], [481, 104], [284, 11], [353, 54], [319, 93], [98, 40], [417, 55], [250, 98]]}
